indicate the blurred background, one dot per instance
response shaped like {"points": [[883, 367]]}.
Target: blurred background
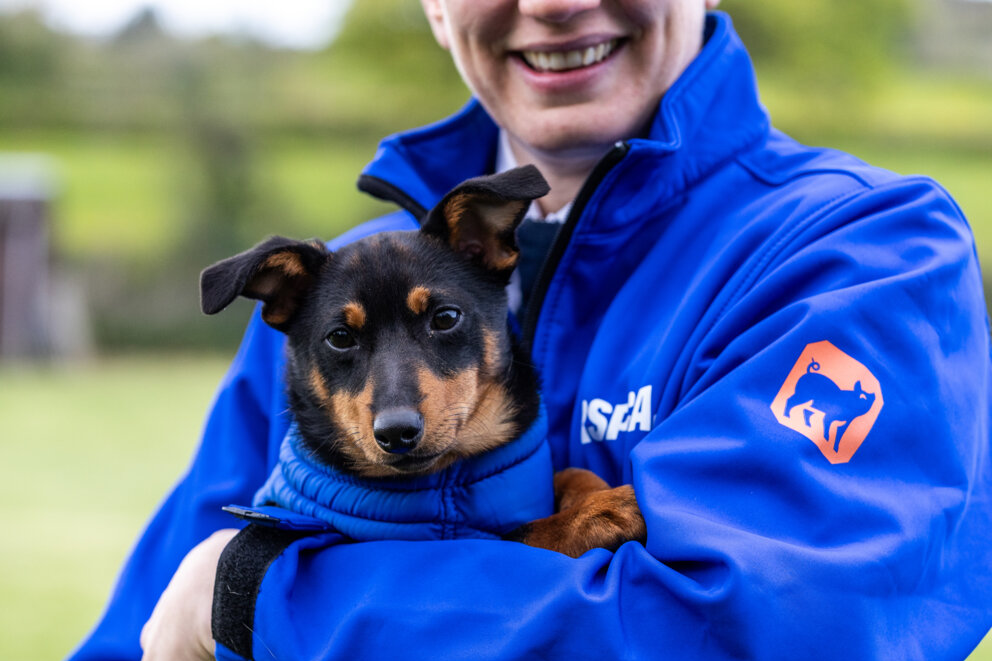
{"points": [[141, 142]]}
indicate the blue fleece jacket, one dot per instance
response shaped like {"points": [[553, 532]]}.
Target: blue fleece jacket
{"points": [[784, 350]]}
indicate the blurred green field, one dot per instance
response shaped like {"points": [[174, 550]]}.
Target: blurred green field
{"points": [[964, 173], [912, 123], [124, 196], [89, 450]]}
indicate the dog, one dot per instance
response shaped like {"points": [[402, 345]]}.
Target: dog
{"points": [[400, 360]]}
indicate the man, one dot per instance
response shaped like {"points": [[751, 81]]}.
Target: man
{"points": [[784, 350]]}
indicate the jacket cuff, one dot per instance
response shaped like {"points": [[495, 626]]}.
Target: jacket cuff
{"points": [[240, 571]]}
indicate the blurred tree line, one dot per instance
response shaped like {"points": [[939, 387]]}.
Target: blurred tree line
{"points": [[222, 100], [383, 72], [825, 44]]}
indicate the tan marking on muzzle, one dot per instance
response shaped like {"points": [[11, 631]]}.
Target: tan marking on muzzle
{"points": [[463, 415], [447, 404], [353, 415], [418, 299], [490, 423]]}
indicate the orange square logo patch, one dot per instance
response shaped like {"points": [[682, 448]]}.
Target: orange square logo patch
{"points": [[831, 399]]}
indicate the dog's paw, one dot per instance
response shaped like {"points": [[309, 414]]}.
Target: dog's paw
{"points": [[605, 518], [573, 484]]}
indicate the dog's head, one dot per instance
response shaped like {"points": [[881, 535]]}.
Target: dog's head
{"points": [[399, 357]]}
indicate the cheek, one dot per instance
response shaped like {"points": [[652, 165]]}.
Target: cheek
{"points": [[679, 39], [466, 414], [495, 356], [668, 41], [447, 403], [475, 33]]}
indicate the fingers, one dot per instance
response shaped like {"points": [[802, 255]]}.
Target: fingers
{"points": [[179, 627]]}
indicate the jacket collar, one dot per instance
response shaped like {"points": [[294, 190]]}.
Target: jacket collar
{"points": [[710, 113], [484, 496]]}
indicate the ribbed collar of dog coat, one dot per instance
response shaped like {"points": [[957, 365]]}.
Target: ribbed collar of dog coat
{"points": [[480, 497]]}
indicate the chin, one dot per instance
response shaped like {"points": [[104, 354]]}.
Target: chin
{"points": [[582, 129], [584, 139]]}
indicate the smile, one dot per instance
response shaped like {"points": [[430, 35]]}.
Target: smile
{"points": [[570, 59]]}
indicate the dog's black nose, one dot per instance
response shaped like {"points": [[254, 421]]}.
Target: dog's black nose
{"points": [[398, 430]]}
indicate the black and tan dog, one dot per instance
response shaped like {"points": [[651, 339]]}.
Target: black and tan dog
{"points": [[400, 361]]}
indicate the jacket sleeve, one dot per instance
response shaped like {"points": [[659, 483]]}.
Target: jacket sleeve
{"points": [[758, 546], [234, 458]]}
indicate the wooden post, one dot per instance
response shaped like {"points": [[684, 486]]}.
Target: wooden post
{"points": [[26, 189]]}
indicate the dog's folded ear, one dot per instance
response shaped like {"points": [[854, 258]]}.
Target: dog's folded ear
{"points": [[479, 217], [277, 272]]}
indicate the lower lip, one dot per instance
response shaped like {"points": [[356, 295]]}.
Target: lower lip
{"points": [[571, 80], [412, 464]]}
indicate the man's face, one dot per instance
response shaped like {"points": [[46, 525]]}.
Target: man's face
{"points": [[569, 77]]}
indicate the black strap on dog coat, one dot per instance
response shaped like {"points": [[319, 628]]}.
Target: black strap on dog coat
{"points": [[240, 571]]}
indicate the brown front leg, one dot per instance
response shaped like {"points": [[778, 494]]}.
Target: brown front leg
{"points": [[588, 515]]}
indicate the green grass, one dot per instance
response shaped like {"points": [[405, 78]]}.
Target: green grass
{"points": [[126, 196], [315, 180], [908, 106], [118, 192], [984, 651], [88, 453]]}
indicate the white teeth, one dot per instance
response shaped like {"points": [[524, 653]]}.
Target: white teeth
{"points": [[573, 59]]}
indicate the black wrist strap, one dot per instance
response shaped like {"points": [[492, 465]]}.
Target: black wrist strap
{"points": [[240, 571]]}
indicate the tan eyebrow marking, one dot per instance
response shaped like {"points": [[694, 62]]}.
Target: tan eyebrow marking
{"points": [[417, 299], [354, 315]]}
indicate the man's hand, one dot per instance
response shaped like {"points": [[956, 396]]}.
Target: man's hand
{"points": [[179, 628]]}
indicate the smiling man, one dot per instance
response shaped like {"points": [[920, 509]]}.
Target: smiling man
{"points": [[784, 350]]}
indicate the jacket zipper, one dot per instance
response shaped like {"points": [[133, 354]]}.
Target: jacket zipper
{"points": [[564, 236]]}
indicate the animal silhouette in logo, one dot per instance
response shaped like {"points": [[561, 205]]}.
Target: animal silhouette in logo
{"points": [[816, 391]]}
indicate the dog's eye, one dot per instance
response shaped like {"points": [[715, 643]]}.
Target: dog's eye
{"points": [[446, 319], [341, 339]]}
